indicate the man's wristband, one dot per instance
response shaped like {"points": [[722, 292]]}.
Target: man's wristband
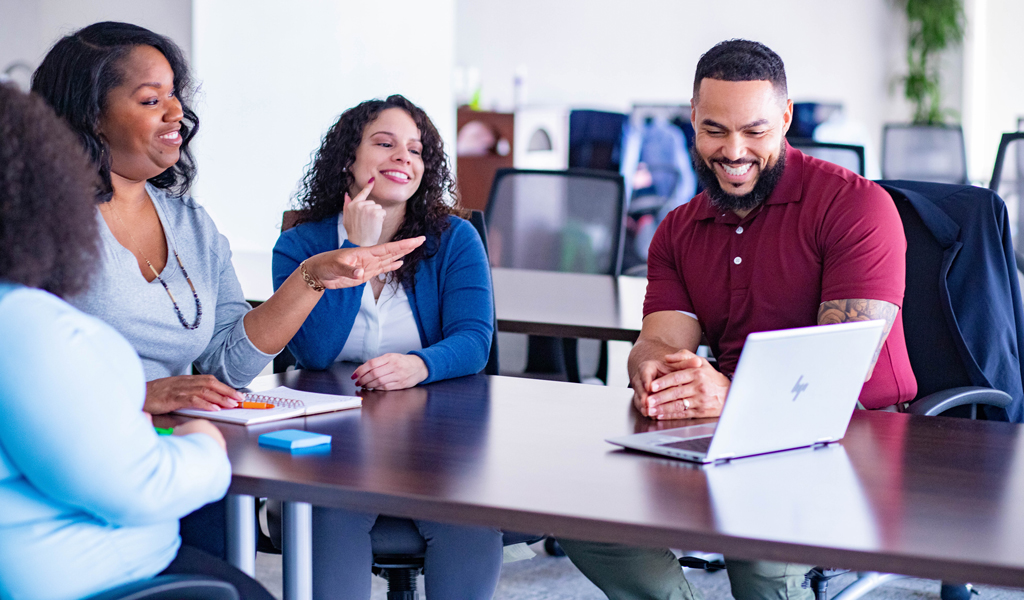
{"points": [[309, 279]]}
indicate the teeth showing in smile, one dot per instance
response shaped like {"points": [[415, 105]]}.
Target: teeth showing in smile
{"points": [[396, 174], [736, 171], [170, 136]]}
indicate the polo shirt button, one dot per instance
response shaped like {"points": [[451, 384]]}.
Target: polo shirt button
{"points": [[737, 260], [739, 229]]}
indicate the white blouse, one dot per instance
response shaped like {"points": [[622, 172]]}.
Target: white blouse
{"points": [[383, 325]]}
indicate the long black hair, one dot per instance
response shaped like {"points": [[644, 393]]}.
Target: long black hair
{"points": [[329, 177], [49, 237], [80, 70]]}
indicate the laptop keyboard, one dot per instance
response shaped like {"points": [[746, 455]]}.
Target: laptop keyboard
{"points": [[700, 444]]}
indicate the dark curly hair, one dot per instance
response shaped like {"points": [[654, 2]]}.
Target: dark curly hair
{"points": [[329, 177], [741, 60], [78, 73], [48, 232]]}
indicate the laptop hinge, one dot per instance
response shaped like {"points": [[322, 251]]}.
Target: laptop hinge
{"points": [[822, 442], [723, 459]]}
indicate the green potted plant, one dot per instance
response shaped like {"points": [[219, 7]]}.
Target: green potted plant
{"points": [[933, 26], [927, 149]]}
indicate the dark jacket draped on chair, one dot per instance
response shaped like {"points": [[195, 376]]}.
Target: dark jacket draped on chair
{"points": [[978, 288]]}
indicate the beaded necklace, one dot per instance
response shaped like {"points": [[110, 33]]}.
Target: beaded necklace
{"points": [[181, 317]]}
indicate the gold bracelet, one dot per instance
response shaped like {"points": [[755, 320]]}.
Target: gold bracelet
{"points": [[309, 279]]}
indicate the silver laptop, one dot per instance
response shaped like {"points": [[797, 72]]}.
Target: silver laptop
{"points": [[792, 388]]}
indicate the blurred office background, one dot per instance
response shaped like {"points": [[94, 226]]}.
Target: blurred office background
{"points": [[275, 75]]}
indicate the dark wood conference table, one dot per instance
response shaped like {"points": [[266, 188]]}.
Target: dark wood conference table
{"points": [[924, 496]]}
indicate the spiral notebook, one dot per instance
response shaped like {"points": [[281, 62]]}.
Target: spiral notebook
{"points": [[288, 404]]}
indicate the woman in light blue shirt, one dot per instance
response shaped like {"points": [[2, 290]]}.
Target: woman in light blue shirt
{"points": [[90, 495]]}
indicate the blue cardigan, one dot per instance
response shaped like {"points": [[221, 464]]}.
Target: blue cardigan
{"points": [[452, 300]]}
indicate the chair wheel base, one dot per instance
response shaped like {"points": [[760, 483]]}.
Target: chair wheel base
{"points": [[957, 591], [552, 548]]}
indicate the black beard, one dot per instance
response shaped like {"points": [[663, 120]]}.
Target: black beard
{"points": [[723, 200]]}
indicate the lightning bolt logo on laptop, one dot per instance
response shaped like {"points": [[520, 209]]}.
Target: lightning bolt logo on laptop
{"points": [[798, 388]]}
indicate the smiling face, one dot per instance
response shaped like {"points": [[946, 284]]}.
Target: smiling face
{"points": [[740, 131], [141, 120], [391, 152]]}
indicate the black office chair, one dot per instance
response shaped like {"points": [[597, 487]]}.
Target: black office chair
{"points": [[848, 156], [476, 217], [1008, 181], [568, 221], [171, 587], [945, 362], [399, 551], [595, 140], [933, 153]]}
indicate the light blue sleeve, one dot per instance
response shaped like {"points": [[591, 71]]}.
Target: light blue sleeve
{"points": [[73, 425], [230, 356]]}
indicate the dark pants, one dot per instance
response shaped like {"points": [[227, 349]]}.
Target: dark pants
{"points": [[206, 529], [191, 561]]}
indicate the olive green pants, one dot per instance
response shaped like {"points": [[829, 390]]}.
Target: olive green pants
{"points": [[630, 573]]}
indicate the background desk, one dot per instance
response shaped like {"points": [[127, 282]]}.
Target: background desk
{"points": [[570, 305], [926, 496]]}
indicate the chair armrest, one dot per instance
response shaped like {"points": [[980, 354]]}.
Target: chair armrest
{"points": [[172, 587], [940, 402]]}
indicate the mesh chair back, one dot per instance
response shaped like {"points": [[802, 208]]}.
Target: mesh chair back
{"points": [[568, 221], [924, 153], [1008, 176], [847, 156], [476, 217]]}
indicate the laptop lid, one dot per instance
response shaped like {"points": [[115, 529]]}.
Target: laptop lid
{"points": [[792, 388]]}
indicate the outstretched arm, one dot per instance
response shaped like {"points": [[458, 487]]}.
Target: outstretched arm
{"points": [[273, 324]]}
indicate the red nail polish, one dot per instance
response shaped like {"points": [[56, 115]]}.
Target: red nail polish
{"points": [[370, 181], [353, 376]]}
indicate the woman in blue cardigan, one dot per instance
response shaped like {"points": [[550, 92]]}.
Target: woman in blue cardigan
{"points": [[381, 174]]}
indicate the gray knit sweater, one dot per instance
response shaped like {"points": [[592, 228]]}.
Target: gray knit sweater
{"points": [[142, 311]]}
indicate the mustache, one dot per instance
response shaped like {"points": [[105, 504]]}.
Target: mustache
{"points": [[733, 163]]}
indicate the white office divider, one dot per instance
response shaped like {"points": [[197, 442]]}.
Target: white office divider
{"points": [[541, 138]]}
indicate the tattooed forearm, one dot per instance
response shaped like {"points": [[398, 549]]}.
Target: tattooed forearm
{"points": [[847, 311]]}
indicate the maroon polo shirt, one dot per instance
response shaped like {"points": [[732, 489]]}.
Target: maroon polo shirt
{"points": [[824, 234]]}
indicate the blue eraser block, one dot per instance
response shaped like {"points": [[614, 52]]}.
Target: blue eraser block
{"points": [[294, 439]]}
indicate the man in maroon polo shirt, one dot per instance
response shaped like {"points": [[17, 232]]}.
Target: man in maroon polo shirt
{"points": [[777, 240]]}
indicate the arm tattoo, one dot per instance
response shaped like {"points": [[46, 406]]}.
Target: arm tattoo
{"points": [[848, 311]]}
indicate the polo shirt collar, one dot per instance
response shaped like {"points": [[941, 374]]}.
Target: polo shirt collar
{"points": [[788, 189]]}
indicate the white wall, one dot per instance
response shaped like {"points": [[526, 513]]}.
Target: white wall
{"points": [[611, 53], [993, 79], [275, 77], [29, 27]]}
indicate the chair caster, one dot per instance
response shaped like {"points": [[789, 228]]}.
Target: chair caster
{"points": [[552, 548], [957, 591], [709, 562]]}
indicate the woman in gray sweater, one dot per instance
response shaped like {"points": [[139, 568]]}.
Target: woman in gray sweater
{"points": [[166, 281]]}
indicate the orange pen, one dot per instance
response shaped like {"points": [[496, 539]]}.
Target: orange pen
{"points": [[254, 405]]}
